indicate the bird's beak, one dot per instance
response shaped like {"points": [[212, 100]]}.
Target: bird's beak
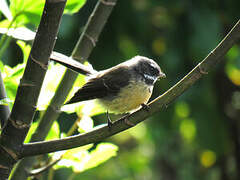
{"points": [[161, 75]]}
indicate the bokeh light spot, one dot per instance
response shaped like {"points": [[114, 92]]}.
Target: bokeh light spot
{"points": [[182, 109], [188, 129], [234, 75], [159, 46], [208, 158]]}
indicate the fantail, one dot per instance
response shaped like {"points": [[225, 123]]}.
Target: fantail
{"points": [[120, 89]]}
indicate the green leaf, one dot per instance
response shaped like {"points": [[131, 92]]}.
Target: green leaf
{"points": [[21, 33], [102, 153], [1, 66], [5, 24], [73, 6], [54, 132], [50, 83], [72, 157], [11, 79], [89, 108], [31, 131], [25, 49], [80, 159], [27, 11], [30, 11]]}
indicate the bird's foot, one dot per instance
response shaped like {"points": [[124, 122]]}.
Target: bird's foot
{"points": [[109, 121], [145, 107]]}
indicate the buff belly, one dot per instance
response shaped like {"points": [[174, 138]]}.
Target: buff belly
{"points": [[128, 99]]}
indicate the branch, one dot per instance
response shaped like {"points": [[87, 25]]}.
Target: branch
{"points": [[20, 119], [43, 169], [4, 109], [162, 101]]}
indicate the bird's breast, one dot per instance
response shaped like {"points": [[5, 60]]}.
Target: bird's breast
{"points": [[128, 99]]}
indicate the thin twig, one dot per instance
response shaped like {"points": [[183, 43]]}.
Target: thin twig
{"points": [[40, 170]]}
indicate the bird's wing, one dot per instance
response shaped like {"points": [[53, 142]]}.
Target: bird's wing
{"points": [[106, 84]]}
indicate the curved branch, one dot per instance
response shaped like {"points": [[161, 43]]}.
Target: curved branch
{"points": [[162, 101]]}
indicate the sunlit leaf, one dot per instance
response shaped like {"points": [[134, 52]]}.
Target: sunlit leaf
{"points": [[72, 157], [5, 23], [73, 6], [50, 83], [102, 153], [30, 11], [11, 89], [85, 124], [5, 9], [31, 131], [21, 33], [54, 132], [80, 159], [27, 11], [1, 65], [11, 79], [90, 108], [25, 49]]}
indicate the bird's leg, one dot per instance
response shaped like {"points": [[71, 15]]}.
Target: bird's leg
{"points": [[109, 121], [145, 107], [125, 118]]}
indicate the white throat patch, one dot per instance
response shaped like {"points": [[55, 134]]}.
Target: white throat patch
{"points": [[152, 78]]}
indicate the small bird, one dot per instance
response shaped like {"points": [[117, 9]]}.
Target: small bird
{"points": [[121, 89]]}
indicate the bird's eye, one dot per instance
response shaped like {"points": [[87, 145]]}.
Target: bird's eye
{"points": [[152, 68]]}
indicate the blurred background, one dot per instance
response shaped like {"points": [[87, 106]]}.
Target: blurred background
{"points": [[197, 136]]}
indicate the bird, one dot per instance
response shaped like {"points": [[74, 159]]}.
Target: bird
{"points": [[121, 89]]}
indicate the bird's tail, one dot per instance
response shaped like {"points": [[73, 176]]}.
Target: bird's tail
{"points": [[72, 64]]}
